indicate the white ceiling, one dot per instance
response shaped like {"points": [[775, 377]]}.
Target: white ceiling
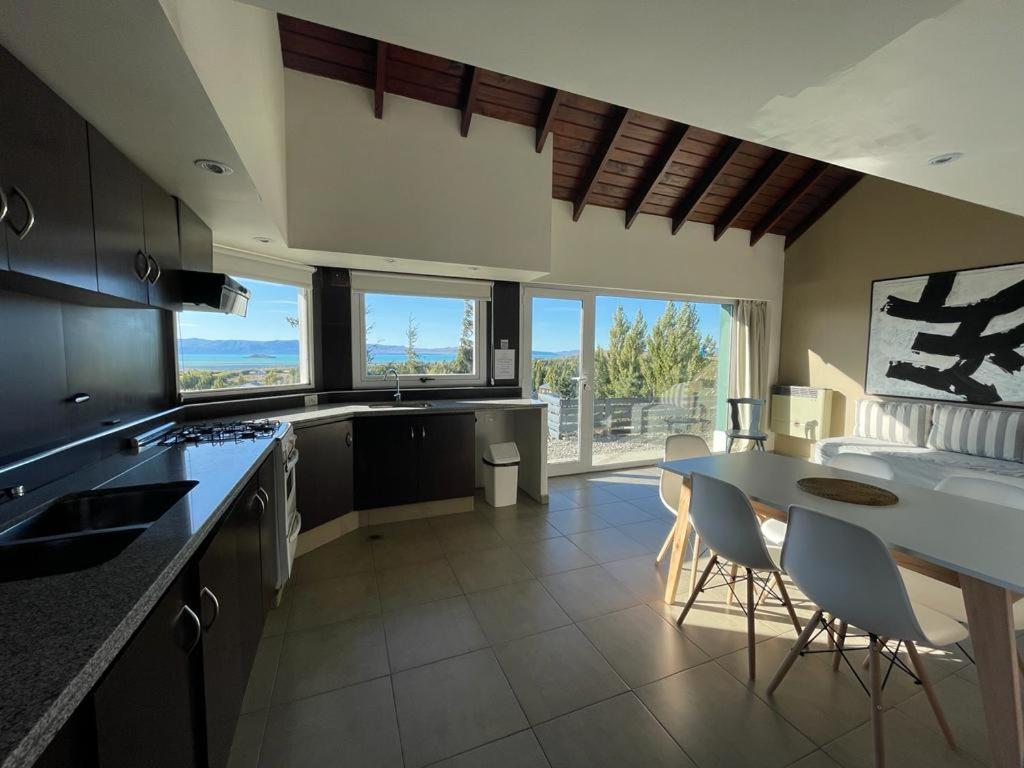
{"points": [[874, 85]]}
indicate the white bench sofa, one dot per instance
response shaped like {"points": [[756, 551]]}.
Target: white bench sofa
{"points": [[924, 443]]}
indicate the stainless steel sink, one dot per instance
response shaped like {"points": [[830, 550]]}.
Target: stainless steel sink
{"points": [[83, 530], [416, 404]]}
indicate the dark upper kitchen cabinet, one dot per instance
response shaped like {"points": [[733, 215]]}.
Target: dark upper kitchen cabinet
{"points": [[404, 459], [44, 167], [160, 216], [196, 240], [147, 706], [232, 601], [324, 475], [122, 266]]}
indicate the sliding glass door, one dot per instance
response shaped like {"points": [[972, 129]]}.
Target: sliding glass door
{"points": [[621, 372]]}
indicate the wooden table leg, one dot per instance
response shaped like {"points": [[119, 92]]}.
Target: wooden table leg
{"points": [[990, 618], [675, 566]]}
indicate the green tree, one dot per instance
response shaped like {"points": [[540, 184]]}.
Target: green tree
{"points": [[627, 342], [413, 363], [464, 354]]}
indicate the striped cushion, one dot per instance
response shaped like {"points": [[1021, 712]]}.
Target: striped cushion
{"points": [[903, 423], [990, 432]]}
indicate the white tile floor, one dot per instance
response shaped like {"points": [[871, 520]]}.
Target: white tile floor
{"points": [[535, 636]]}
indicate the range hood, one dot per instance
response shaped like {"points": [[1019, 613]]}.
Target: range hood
{"points": [[213, 292]]}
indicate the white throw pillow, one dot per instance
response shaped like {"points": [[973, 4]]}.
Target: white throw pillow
{"points": [[903, 423]]}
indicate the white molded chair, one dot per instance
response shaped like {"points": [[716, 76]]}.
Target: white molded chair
{"points": [[775, 530], [945, 597], [849, 572], [677, 447], [723, 518]]}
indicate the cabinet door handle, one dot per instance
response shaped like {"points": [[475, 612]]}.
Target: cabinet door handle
{"points": [[207, 592], [23, 232], [197, 624], [423, 433], [412, 432], [263, 504], [154, 275], [3, 204], [348, 439], [263, 495], [81, 397], [142, 261]]}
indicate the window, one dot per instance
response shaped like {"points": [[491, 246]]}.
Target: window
{"points": [[431, 331], [268, 348]]}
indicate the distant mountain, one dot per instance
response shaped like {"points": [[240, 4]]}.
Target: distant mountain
{"points": [[538, 354], [238, 347]]}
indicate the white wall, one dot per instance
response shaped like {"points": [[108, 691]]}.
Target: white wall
{"points": [[599, 252], [410, 186], [235, 50]]}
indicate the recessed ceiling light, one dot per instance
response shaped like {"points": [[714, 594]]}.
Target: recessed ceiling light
{"points": [[390, 261], [215, 167], [473, 269], [945, 159], [263, 240]]}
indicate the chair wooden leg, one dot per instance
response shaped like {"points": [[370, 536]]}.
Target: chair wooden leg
{"points": [[882, 640], [875, 662], [788, 602], [929, 691], [837, 656], [665, 546], [798, 646], [751, 642], [732, 577], [695, 559], [693, 595]]}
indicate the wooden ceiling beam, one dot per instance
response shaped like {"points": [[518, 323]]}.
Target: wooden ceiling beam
{"points": [[469, 100], [826, 203], [380, 76], [784, 203], [659, 169], [618, 124], [691, 199], [547, 116], [753, 187]]}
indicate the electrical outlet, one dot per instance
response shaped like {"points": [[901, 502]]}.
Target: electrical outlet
{"points": [[311, 400]]}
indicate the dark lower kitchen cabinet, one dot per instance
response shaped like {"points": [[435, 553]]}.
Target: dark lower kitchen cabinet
{"points": [[405, 459], [160, 217], [122, 266], [148, 706], [268, 479], [231, 596], [323, 477], [44, 166]]}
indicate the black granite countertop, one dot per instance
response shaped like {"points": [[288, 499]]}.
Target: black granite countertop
{"points": [[60, 633]]}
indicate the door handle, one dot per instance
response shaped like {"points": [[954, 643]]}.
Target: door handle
{"points": [[423, 433], [348, 439], [412, 432], [31, 222], [207, 592], [153, 277], [3, 204], [142, 261], [197, 624]]}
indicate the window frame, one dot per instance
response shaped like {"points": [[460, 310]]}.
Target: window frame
{"points": [[306, 354], [360, 379]]}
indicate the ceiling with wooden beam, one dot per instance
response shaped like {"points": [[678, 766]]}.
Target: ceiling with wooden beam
{"points": [[603, 154]]}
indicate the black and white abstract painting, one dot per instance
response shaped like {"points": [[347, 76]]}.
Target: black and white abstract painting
{"points": [[949, 336]]}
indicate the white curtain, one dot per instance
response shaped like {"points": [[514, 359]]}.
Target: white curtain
{"points": [[748, 361]]}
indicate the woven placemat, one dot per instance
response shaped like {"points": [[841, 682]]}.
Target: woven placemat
{"points": [[849, 491]]}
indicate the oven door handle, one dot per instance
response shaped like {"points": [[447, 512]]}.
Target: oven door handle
{"points": [[293, 459]]}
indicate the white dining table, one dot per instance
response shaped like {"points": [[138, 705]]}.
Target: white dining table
{"points": [[978, 545]]}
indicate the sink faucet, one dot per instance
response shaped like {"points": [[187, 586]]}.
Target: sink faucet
{"points": [[398, 383]]}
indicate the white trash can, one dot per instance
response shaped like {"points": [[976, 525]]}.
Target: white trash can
{"points": [[501, 474]]}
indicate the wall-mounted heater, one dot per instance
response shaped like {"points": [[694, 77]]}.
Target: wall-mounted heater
{"points": [[801, 412]]}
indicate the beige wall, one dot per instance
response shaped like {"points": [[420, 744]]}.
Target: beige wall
{"points": [[409, 187], [880, 229]]}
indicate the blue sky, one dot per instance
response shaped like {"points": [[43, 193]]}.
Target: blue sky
{"points": [[439, 320], [269, 306], [556, 321]]}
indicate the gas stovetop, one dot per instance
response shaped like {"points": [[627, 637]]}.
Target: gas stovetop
{"points": [[220, 432]]}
